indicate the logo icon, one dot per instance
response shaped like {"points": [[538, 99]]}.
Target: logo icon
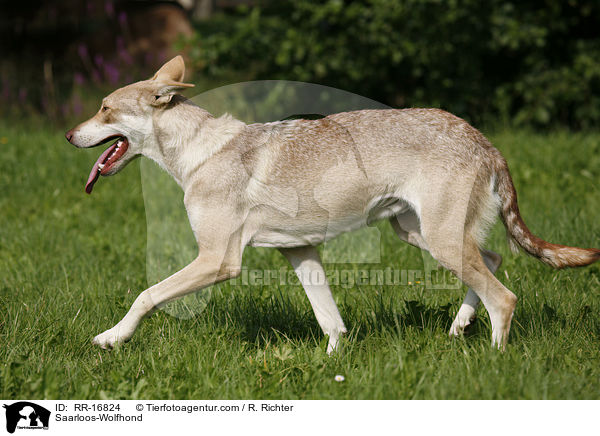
{"points": [[26, 415]]}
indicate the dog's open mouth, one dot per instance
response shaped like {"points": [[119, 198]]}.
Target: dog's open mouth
{"points": [[106, 161]]}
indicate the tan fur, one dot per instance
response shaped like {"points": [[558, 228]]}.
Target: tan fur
{"points": [[294, 184], [558, 256]]}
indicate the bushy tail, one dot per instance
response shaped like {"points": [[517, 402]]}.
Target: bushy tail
{"points": [[558, 256]]}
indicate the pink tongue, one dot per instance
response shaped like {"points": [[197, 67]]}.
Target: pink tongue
{"points": [[95, 173]]}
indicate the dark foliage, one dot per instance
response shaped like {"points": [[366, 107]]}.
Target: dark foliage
{"points": [[534, 62]]}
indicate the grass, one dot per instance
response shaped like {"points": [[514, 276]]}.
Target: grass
{"points": [[71, 264]]}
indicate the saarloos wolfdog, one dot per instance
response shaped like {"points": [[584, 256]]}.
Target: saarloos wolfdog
{"points": [[283, 184]]}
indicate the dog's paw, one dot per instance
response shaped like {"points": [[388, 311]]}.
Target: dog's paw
{"points": [[110, 337], [334, 339], [463, 319], [458, 328], [332, 345]]}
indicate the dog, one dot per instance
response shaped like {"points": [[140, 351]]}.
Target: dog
{"points": [[294, 184]]}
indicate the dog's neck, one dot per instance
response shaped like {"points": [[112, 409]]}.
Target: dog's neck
{"points": [[184, 136]]}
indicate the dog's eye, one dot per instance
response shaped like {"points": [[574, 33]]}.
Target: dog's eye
{"points": [[104, 108]]}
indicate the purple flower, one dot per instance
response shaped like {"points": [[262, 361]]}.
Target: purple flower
{"points": [[122, 19], [112, 73], [78, 78], [82, 51], [22, 95], [98, 60], [77, 105], [109, 8], [125, 57], [5, 90], [162, 57], [95, 76]]}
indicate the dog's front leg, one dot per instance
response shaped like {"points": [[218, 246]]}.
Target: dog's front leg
{"points": [[307, 264], [205, 270]]}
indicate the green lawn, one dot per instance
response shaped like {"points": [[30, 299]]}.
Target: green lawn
{"points": [[71, 264]]}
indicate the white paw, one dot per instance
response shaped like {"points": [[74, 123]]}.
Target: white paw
{"points": [[463, 319], [499, 338], [332, 345], [110, 337], [334, 338]]}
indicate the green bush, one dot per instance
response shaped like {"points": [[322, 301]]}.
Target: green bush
{"points": [[534, 62]]}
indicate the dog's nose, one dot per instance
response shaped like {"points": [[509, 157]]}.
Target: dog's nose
{"points": [[69, 135]]}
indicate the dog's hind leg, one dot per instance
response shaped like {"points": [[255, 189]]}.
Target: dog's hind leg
{"points": [[307, 264], [408, 228], [466, 313], [456, 249]]}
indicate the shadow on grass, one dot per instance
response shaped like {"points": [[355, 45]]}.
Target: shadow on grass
{"points": [[261, 320]]}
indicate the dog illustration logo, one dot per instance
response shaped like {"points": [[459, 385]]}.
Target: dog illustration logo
{"points": [[26, 415]]}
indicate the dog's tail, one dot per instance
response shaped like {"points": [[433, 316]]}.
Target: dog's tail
{"points": [[557, 256]]}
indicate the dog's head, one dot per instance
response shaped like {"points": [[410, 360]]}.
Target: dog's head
{"points": [[125, 117]]}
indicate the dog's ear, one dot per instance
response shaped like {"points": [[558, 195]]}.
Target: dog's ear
{"points": [[168, 81], [172, 71], [165, 91]]}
